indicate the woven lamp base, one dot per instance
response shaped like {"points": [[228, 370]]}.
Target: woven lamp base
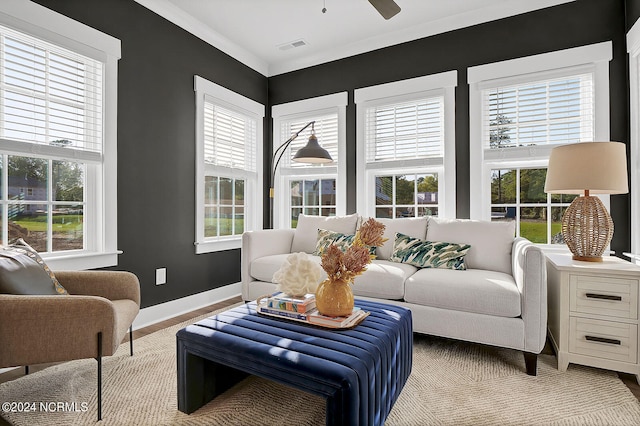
{"points": [[587, 228]]}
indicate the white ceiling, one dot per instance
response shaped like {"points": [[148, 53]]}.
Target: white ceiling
{"points": [[253, 30]]}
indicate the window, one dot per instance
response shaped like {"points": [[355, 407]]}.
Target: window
{"points": [[300, 188], [312, 197], [406, 195], [518, 194], [633, 43], [520, 110], [406, 147], [229, 148], [58, 137]]}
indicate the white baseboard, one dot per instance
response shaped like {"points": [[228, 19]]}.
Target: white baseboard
{"points": [[173, 308]]}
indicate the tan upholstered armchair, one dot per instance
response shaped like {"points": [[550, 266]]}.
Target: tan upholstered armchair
{"points": [[90, 322]]}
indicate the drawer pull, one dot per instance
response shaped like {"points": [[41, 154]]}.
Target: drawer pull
{"points": [[603, 296], [603, 340]]}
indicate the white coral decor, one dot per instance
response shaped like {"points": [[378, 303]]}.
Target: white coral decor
{"points": [[298, 275]]}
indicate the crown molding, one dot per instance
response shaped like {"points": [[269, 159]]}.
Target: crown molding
{"points": [[187, 22]]}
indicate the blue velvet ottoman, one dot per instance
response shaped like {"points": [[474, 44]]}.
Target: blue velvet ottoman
{"points": [[360, 371]]}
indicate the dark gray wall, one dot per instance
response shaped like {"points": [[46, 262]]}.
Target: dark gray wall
{"points": [[156, 115], [156, 143], [569, 25], [633, 12]]}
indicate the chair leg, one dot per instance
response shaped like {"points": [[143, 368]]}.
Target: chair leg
{"points": [[26, 370], [131, 339], [99, 359], [531, 363]]}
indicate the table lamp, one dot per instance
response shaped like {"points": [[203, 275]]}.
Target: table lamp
{"points": [[587, 168]]}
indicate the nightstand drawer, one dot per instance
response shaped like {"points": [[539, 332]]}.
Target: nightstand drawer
{"points": [[604, 339], [603, 295]]}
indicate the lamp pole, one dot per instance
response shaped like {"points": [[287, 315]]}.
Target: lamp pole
{"points": [[279, 153]]}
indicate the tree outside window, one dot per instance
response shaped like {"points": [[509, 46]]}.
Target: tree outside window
{"points": [[518, 194], [406, 195], [45, 203]]}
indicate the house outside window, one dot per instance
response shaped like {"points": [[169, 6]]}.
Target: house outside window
{"points": [[406, 147], [58, 137], [310, 189], [315, 197], [228, 150], [520, 110]]}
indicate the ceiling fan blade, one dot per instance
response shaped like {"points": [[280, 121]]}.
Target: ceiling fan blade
{"points": [[387, 8]]}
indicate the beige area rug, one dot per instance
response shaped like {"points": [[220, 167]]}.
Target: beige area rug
{"points": [[452, 383]]}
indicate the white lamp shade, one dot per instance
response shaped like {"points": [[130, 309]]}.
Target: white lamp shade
{"points": [[599, 167]]}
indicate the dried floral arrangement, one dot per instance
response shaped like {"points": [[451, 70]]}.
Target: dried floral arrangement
{"points": [[347, 265]]}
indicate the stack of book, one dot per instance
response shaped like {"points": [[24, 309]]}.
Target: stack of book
{"points": [[304, 309], [356, 316], [284, 302]]}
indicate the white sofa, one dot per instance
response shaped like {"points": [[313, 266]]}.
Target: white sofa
{"points": [[500, 300]]}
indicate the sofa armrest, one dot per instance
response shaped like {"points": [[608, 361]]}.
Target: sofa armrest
{"points": [[256, 244], [38, 329], [112, 285], [530, 274]]}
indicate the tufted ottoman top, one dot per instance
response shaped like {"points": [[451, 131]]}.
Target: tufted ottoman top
{"points": [[360, 371]]}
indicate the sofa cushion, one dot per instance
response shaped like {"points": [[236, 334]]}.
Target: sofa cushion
{"points": [[413, 227], [490, 242], [383, 280], [306, 234], [263, 268], [428, 254], [22, 271], [474, 290]]}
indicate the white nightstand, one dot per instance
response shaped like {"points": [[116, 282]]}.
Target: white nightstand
{"points": [[593, 313]]}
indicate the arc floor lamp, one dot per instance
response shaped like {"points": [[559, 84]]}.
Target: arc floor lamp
{"points": [[311, 153]]}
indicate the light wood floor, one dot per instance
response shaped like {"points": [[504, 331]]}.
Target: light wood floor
{"points": [[628, 379]]}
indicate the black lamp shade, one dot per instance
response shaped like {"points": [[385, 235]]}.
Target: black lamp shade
{"points": [[312, 152]]}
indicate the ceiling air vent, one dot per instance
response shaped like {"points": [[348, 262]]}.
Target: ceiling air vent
{"points": [[292, 44]]}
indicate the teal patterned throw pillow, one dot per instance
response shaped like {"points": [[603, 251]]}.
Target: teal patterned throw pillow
{"points": [[326, 238], [429, 254], [343, 241]]}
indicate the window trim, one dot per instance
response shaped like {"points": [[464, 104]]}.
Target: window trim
{"points": [[335, 103], [530, 68], [443, 84], [633, 49], [206, 89], [41, 22]]}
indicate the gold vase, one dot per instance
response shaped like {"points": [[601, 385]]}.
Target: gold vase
{"points": [[334, 298]]}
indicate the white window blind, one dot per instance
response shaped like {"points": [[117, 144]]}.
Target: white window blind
{"points": [[555, 111], [229, 138], [51, 97], [326, 129], [228, 153], [404, 130]]}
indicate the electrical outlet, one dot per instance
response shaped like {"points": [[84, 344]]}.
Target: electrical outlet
{"points": [[161, 276]]}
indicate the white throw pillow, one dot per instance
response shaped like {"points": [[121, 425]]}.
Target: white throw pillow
{"points": [[490, 242], [415, 227], [306, 235]]}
